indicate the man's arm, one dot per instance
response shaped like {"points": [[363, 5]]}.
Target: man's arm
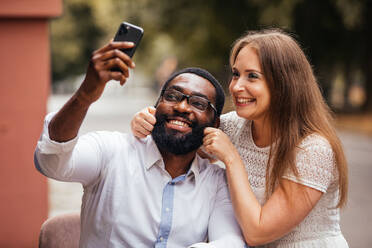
{"points": [[59, 154], [223, 229], [66, 123]]}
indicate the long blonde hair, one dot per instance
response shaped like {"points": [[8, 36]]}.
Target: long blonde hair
{"points": [[296, 105]]}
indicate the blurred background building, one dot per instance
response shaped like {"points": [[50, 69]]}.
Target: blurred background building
{"points": [[335, 34]]}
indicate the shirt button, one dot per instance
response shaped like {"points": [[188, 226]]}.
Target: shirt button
{"points": [[167, 209], [161, 238]]}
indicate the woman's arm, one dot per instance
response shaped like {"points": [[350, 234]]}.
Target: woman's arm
{"points": [[284, 210]]}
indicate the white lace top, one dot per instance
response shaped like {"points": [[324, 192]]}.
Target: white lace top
{"points": [[316, 167]]}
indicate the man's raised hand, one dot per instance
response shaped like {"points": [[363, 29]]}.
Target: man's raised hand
{"points": [[100, 67]]}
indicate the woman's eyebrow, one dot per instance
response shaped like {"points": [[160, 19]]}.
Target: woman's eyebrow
{"points": [[252, 70]]}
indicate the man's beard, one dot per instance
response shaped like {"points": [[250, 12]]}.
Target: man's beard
{"points": [[174, 141]]}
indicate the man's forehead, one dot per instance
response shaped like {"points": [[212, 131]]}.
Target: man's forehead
{"points": [[187, 76], [191, 80], [194, 83]]}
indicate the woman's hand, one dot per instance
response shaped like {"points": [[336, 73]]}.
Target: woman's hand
{"points": [[217, 143], [143, 122]]}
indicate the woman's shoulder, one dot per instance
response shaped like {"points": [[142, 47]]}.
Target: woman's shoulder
{"points": [[316, 148], [230, 121], [229, 116], [316, 141], [315, 163]]}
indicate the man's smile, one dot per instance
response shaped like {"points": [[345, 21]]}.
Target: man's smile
{"points": [[178, 123]]}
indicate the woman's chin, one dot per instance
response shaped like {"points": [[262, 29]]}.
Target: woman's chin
{"points": [[244, 113]]}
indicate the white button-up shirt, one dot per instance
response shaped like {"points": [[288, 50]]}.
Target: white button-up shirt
{"points": [[130, 200]]}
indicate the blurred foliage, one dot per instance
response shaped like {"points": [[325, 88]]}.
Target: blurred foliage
{"points": [[335, 35]]}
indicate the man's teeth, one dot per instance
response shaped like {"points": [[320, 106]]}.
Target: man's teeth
{"points": [[179, 123], [244, 100]]}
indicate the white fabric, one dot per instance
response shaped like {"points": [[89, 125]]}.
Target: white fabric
{"points": [[125, 186], [316, 166]]}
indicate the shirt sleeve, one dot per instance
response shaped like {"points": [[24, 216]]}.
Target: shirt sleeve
{"points": [[223, 230], [315, 164], [77, 160]]}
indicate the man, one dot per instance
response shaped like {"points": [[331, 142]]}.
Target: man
{"points": [[153, 192]]}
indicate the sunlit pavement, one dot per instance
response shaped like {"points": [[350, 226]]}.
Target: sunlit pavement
{"points": [[118, 105]]}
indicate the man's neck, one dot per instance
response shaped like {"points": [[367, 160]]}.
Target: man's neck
{"points": [[177, 165]]}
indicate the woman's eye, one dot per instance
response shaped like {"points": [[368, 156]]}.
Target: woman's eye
{"points": [[235, 74], [252, 75]]}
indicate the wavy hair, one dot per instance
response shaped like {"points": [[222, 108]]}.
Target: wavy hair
{"points": [[296, 105]]}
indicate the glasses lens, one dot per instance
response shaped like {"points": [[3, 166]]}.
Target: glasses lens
{"points": [[196, 102], [172, 96], [199, 103]]}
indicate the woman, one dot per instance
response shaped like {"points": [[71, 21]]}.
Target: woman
{"points": [[285, 166]]}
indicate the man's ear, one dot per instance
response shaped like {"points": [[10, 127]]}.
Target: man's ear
{"points": [[217, 123]]}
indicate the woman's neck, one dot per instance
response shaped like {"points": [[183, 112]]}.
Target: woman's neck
{"points": [[261, 133]]}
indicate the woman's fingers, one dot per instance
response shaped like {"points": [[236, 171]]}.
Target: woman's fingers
{"points": [[210, 130], [143, 122], [139, 134], [152, 111], [217, 143], [209, 135], [147, 127], [149, 116]]}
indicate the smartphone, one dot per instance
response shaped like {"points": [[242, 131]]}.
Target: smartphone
{"points": [[128, 32]]}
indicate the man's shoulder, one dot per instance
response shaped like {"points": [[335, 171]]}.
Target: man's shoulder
{"points": [[205, 166], [110, 138], [106, 135]]}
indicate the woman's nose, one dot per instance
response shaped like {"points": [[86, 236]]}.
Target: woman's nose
{"points": [[237, 85]]}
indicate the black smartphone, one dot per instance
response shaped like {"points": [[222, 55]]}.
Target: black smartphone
{"points": [[128, 32]]}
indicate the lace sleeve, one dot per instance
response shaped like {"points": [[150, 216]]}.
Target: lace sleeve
{"points": [[315, 164], [229, 123]]}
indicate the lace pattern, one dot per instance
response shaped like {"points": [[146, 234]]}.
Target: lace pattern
{"points": [[316, 166], [315, 163]]}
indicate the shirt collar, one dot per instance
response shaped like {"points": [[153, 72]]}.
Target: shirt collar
{"points": [[194, 168], [153, 156]]}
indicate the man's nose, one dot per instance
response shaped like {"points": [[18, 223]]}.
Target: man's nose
{"points": [[183, 106]]}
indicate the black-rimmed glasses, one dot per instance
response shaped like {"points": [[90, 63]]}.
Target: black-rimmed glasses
{"points": [[197, 102]]}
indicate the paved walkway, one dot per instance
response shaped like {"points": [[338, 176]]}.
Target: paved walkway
{"points": [[116, 108]]}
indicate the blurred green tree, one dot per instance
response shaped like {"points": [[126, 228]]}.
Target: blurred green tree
{"points": [[335, 34]]}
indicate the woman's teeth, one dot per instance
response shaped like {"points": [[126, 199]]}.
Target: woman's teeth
{"points": [[244, 100], [179, 123]]}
